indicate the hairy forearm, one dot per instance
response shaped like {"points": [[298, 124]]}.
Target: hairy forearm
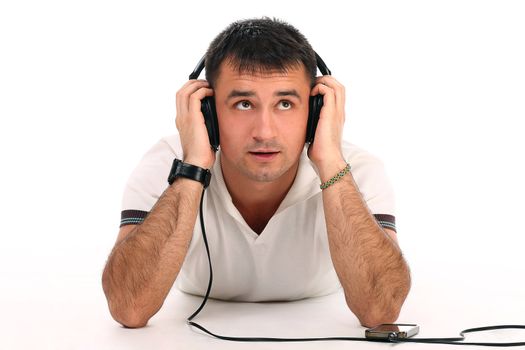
{"points": [[141, 269], [369, 264]]}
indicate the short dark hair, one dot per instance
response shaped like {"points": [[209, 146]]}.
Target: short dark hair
{"points": [[260, 45]]}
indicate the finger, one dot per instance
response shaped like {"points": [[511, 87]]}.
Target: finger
{"points": [[190, 87], [194, 105], [338, 88], [192, 81], [196, 97], [329, 80], [185, 92], [328, 95], [321, 89], [180, 96]]}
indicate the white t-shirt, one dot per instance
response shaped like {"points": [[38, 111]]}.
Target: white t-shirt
{"points": [[289, 260]]}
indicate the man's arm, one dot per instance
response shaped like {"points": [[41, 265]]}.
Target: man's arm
{"points": [[145, 262], [368, 261], [143, 265]]}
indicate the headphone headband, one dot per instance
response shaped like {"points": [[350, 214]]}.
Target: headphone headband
{"points": [[320, 65], [198, 69]]}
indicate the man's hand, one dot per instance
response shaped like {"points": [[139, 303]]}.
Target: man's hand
{"points": [[190, 123], [325, 151]]}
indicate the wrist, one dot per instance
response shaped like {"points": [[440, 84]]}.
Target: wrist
{"points": [[328, 168], [202, 163], [326, 157], [189, 171]]}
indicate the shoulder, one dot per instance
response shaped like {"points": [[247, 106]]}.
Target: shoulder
{"points": [[364, 164], [371, 177], [169, 144], [162, 153], [358, 157], [148, 179], [160, 157]]}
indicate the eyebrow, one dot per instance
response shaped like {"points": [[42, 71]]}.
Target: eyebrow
{"points": [[251, 93], [240, 93], [292, 92]]}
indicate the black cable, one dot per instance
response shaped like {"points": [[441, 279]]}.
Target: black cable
{"points": [[209, 262], [460, 341], [391, 339]]}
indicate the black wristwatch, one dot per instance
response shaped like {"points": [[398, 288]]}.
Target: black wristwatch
{"points": [[189, 171]]}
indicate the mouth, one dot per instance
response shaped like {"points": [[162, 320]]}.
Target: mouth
{"points": [[264, 154]]}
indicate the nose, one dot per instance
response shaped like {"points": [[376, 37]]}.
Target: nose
{"points": [[264, 125]]}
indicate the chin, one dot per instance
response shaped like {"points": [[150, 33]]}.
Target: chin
{"points": [[265, 174], [265, 177]]}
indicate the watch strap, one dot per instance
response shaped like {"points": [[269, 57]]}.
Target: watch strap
{"points": [[189, 171]]}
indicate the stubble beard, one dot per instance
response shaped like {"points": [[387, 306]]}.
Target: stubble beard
{"points": [[264, 173], [271, 171]]}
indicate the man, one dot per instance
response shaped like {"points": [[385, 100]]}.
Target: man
{"points": [[274, 234]]}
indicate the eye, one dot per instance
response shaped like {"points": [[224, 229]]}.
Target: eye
{"points": [[284, 105], [243, 105]]}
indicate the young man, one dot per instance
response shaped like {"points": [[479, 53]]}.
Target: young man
{"points": [[273, 233]]}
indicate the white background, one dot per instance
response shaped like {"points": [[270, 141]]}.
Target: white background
{"points": [[436, 89]]}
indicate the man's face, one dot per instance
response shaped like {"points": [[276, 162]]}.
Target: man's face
{"points": [[262, 121]]}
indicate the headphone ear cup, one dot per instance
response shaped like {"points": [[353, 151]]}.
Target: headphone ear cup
{"points": [[314, 111], [210, 119]]}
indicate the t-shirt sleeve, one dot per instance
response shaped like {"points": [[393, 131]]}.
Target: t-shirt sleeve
{"points": [[148, 180], [371, 177]]}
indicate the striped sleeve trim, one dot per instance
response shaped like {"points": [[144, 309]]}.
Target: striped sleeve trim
{"points": [[132, 217], [386, 221], [136, 217]]}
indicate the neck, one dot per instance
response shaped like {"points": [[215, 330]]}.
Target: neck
{"points": [[257, 201]]}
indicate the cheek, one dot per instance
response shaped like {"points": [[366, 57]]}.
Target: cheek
{"points": [[296, 127], [232, 134]]}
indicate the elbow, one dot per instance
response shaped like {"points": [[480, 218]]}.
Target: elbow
{"points": [[376, 317], [129, 318], [132, 322], [374, 313]]}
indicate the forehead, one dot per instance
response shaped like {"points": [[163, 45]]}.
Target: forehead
{"points": [[231, 77]]}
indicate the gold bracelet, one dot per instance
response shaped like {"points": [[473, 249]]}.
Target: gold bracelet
{"points": [[336, 178]]}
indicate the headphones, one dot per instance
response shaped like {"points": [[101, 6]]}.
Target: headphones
{"points": [[210, 113]]}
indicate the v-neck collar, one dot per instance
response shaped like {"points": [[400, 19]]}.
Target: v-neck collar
{"points": [[305, 185]]}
